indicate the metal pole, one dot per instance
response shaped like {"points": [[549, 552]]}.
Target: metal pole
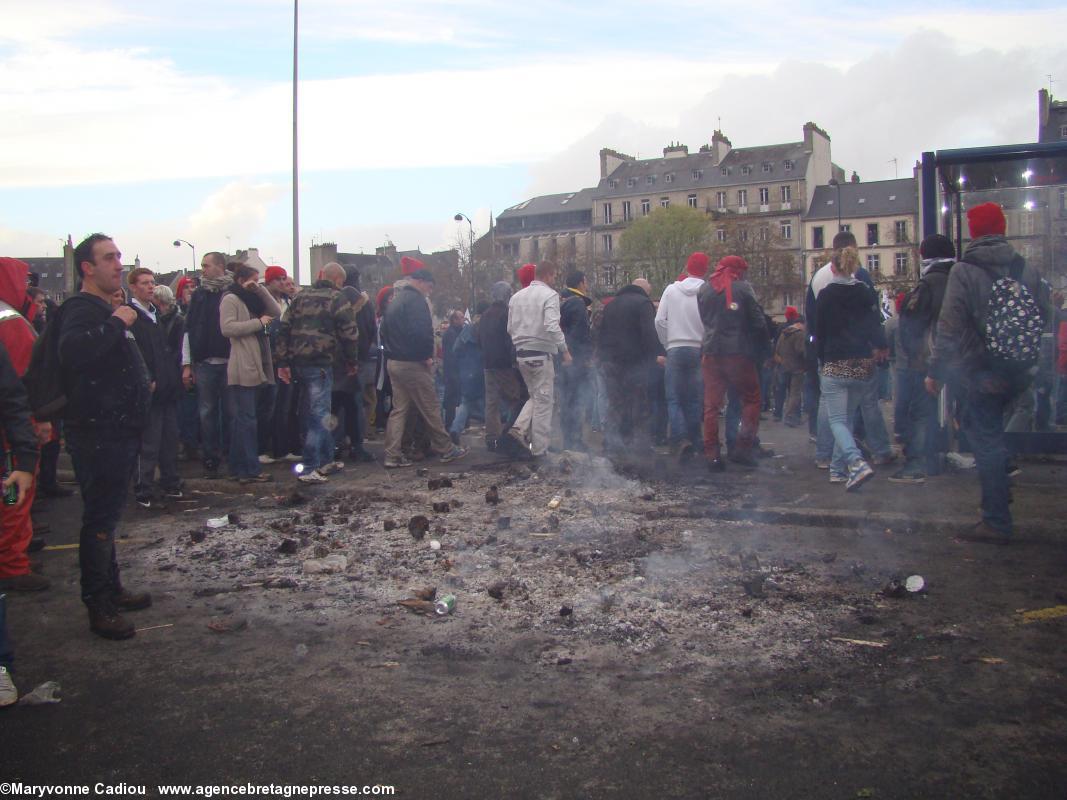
{"points": [[472, 270], [296, 173]]}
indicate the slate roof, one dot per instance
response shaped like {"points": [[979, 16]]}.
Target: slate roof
{"points": [[551, 204], [699, 171], [872, 199]]}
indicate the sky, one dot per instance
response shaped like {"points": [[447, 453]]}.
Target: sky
{"points": [[173, 120]]}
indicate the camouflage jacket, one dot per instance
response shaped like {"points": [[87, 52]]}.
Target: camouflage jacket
{"points": [[319, 325]]}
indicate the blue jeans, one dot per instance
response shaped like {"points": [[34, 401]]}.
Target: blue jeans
{"points": [[214, 424], [317, 385], [685, 394], [982, 420], [875, 432], [244, 435], [7, 650], [103, 464], [470, 406], [918, 409], [841, 397]]}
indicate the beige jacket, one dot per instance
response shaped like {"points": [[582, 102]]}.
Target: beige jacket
{"points": [[250, 362]]}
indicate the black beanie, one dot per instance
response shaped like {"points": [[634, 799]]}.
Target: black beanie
{"points": [[937, 245]]}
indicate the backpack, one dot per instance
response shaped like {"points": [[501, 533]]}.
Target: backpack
{"points": [[44, 376], [1014, 321]]}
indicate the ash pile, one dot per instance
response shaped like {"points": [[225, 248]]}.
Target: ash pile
{"points": [[570, 554]]}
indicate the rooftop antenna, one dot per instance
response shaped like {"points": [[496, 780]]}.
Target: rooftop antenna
{"points": [[896, 172], [1050, 82]]}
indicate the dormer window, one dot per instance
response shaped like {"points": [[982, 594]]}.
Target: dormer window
{"points": [[631, 182], [698, 174], [669, 177], [766, 167], [651, 179], [746, 170], [613, 184], [725, 170], [788, 164]]}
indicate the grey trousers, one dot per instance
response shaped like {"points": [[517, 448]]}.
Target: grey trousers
{"points": [[159, 447]]}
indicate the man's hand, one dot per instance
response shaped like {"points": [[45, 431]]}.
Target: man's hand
{"points": [[187, 376], [429, 364], [152, 387], [285, 375], [352, 369], [43, 431], [567, 360], [881, 356], [265, 320], [23, 480], [932, 386], [126, 314], [661, 360]]}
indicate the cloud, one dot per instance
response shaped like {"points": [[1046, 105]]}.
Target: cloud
{"points": [[237, 211]]}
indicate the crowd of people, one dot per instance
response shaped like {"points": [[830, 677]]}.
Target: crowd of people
{"points": [[237, 368]]}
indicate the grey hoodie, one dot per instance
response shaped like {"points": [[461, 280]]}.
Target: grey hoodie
{"points": [[959, 350]]}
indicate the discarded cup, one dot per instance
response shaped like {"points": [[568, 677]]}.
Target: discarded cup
{"points": [[445, 605], [47, 692], [219, 522], [915, 583], [434, 544], [553, 504], [300, 650]]}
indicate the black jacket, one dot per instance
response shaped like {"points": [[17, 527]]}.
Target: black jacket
{"points": [[848, 322], [202, 323], [628, 328], [491, 333], [19, 438], [158, 358], [104, 374], [728, 332], [407, 328], [449, 363], [366, 319], [574, 322]]}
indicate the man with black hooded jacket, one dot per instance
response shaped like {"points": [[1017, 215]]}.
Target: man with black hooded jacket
{"points": [[960, 355], [575, 380]]}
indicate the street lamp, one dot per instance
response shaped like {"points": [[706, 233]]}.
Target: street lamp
{"points": [[837, 184], [179, 243], [470, 258]]}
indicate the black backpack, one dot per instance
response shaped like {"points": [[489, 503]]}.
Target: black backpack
{"points": [[44, 376]]}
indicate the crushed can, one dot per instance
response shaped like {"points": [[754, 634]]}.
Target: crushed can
{"points": [[445, 605]]}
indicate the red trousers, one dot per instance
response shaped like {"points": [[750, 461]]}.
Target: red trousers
{"points": [[16, 530], [737, 373]]}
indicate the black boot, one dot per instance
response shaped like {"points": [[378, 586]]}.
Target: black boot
{"points": [[105, 620]]}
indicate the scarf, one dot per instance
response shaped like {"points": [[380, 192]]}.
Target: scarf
{"points": [[216, 284], [250, 297], [730, 269]]}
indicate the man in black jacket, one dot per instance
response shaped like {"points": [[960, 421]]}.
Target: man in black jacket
{"points": [[626, 346], [206, 356], [108, 397], [407, 334], [159, 439], [503, 384], [450, 366], [575, 379]]}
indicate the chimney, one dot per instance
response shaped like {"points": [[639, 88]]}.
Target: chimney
{"points": [[675, 150], [610, 160], [855, 177], [720, 147], [811, 130]]}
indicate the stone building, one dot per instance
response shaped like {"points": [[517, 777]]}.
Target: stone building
{"points": [[554, 227], [1051, 118]]}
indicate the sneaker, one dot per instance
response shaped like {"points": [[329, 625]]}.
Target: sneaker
{"points": [[292, 458], [859, 472], [144, 500], [262, 477], [330, 469], [490, 444], [265, 459], [315, 476], [397, 463], [837, 477], [906, 476], [984, 533], [8, 693], [173, 494], [822, 463], [105, 621], [125, 600], [30, 582], [1012, 469], [453, 454]]}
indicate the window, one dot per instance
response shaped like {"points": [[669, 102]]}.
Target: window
{"points": [[607, 213], [817, 238], [664, 202], [742, 197], [900, 264], [764, 196], [787, 193], [698, 174], [613, 184], [646, 207], [720, 234], [651, 179], [611, 275], [901, 230], [787, 299], [668, 178], [1063, 131], [844, 228], [721, 198], [788, 164], [742, 234], [631, 182], [725, 170], [874, 263], [627, 214], [609, 243], [746, 170], [872, 234], [692, 200], [766, 167], [787, 229], [764, 233]]}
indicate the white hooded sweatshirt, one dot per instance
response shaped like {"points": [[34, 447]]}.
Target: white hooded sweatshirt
{"points": [[678, 318]]}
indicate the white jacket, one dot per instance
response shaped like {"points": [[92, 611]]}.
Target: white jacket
{"points": [[533, 319], [678, 321]]}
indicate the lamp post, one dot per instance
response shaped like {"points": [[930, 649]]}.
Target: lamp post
{"points": [[837, 184], [179, 243], [470, 258]]}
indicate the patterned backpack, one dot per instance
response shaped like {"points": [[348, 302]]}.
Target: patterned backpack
{"points": [[1013, 321]]}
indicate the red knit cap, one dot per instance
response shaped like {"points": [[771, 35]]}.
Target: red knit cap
{"points": [[986, 220], [184, 281], [274, 273], [791, 313], [409, 265], [697, 265], [525, 274], [382, 299]]}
